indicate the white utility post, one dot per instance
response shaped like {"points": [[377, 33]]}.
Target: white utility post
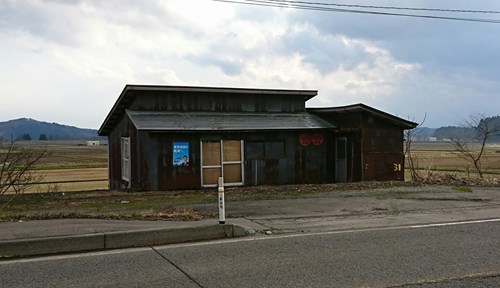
{"points": [[222, 208]]}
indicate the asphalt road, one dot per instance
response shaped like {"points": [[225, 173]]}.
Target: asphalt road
{"points": [[463, 255]]}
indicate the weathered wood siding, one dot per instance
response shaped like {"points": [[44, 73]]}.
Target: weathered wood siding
{"points": [[382, 150], [226, 102], [124, 128], [374, 146], [153, 169]]}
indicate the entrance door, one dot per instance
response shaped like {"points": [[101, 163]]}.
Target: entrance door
{"points": [[221, 158], [341, 159]]}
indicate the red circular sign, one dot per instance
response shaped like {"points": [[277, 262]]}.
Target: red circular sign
{"points": [[317, 139], [305, 139]]}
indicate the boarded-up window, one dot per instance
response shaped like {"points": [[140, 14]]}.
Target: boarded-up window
{"points": [[211, 153], [211, 175], [222, 158], [232, 173], [232, 151]]}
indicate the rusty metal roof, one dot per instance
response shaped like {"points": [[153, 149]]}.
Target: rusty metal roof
{"points": [[215, 121], [130, 92]]}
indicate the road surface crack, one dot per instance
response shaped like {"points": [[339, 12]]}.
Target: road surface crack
{"points": [[178, 268]]}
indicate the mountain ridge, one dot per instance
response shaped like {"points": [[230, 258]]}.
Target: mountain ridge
{"points": [[31, 129]]}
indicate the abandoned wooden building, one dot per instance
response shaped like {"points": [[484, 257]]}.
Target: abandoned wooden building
{"points": [[178, 137]]}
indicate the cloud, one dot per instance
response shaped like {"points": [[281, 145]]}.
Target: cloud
{"points": [[66, 58]]}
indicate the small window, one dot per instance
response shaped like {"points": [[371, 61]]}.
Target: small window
{"points": [[125, 153], [275, 149], [254, 150], [265, 150]]}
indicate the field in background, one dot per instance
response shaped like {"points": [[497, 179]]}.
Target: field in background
{"points": [[70, 154], [70, 166], [73, 166], [440, 156]]}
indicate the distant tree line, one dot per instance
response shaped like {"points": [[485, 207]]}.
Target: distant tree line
{"points": [[468, 142], [470, 132]]}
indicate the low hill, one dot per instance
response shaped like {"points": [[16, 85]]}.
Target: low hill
{"points": [[491, 124], [30, 129]]}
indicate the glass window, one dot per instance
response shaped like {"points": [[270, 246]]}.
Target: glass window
{"points": [[254, 150], [125, 153], [341, 149], [275, 149]]}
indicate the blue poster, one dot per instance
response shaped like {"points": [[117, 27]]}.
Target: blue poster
{"points": [[180, 153]]}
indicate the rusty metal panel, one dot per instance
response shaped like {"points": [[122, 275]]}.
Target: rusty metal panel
{"points": [[383, 166], [383, 157]]}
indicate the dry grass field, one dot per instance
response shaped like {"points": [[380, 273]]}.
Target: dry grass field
{"points": [[70, 166], [441, 156], [73, 166]]}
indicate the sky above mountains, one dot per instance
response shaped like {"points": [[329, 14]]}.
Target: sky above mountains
{"points": [[68, 61]]}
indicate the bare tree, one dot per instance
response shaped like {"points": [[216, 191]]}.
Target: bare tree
{"points": [[485, 127], [17, 168], [410, 136]]}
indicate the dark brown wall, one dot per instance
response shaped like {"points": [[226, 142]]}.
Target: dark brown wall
{"points": [[299, 164], [382, 150], [226, 102], [153, 169], [124, 128], [375, 146]]}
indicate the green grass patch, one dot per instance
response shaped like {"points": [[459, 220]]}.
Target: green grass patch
{"points": [[463, 189]]}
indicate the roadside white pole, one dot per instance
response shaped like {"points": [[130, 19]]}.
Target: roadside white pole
{"points": [[222, 208]]}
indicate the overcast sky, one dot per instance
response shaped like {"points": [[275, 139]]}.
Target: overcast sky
{"points": [[67, 61]]}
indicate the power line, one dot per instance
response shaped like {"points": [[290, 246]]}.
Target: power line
{"points": [[384, 7], [289, 4]]}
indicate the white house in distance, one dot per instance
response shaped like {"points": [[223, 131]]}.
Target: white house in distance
{"points": [[93, 143]]}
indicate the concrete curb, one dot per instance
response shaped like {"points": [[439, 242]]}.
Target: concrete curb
{"points": [[118, 239]]}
